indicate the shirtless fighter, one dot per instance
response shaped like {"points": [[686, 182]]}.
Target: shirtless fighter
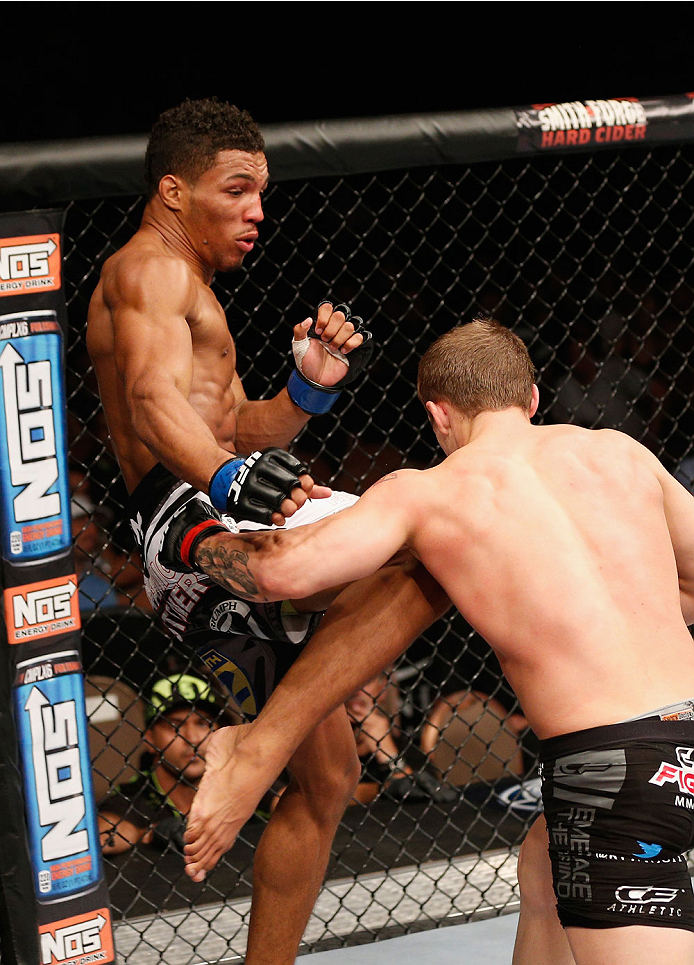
{"points": [[572, 552], [184, 432]]}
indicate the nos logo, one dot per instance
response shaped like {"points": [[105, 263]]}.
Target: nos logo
{"points": [[31, 442], [26, 260], [57, 773], [28, 397], [85, 938]]}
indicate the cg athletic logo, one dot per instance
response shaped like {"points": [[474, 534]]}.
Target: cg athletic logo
{"points": [[29, 263], [77, 941], [630, 894]]}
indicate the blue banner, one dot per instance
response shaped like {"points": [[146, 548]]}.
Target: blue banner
{"points": [[55, 861]]}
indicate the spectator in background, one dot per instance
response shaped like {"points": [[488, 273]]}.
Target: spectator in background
{"points": [[182, 714], [95, 587], [385, 767]]}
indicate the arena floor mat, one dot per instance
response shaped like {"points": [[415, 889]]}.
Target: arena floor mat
{"points": [[487, 942], [410, 906]]}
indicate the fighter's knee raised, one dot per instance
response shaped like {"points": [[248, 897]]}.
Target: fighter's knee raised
{"points": [[343, 784], [330, 788]]}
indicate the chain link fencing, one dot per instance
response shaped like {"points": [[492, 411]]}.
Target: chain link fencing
{"points": [[588, 257]]}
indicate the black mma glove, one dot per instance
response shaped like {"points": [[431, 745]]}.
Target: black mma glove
{"points": [[312, 397], [254, 487], [193, 522]]}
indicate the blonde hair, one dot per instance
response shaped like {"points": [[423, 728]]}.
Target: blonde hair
{"points": [[480, 366]]}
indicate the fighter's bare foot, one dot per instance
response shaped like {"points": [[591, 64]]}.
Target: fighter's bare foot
{"points": [[235, 779]]}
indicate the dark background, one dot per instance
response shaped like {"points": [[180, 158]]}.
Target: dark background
{"points": [[84, 69]]}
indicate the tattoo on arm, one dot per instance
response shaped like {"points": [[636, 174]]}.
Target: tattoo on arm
{"points": [[230, 568]]}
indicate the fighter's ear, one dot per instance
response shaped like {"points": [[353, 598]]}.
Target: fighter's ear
{"points": [[535, 402], [171, 191], [438, 416]]}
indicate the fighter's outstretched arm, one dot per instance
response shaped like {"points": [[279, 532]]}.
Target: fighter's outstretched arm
{"points": [[372, 621], [354, 543]]}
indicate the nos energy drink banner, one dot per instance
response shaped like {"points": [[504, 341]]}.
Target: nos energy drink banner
{"points": [[42, 639]]}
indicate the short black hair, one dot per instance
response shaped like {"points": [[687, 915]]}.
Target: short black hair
{"points": [[185, 140]]}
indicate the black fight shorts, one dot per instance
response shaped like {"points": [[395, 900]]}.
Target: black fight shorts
{"points": [[248, 646], [619, 805]]}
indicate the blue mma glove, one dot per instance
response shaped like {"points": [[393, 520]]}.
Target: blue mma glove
{"points": [[254, 487], [312, 397]]}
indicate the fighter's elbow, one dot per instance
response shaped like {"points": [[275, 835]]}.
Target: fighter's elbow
{"points": [[280, 583]]}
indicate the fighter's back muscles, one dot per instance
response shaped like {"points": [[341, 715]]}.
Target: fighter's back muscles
{"points": [[140, 339], [679, 513]]}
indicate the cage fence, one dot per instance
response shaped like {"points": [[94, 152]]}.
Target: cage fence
{"points": [[588, 257]]}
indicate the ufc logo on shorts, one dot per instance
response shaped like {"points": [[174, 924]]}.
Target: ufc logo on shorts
{"points": [[26, 260]]}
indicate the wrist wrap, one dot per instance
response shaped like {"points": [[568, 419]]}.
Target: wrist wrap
{"points": [[309, 396], [221, 482]]}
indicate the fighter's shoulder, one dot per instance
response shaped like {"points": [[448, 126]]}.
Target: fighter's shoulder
{"points": [[397, 485], [626, 455], [403, 477], [141, 271], [621, 443], [414, 490]]}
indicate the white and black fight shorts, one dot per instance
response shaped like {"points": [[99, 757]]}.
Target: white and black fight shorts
{"points": [[248, 646]]}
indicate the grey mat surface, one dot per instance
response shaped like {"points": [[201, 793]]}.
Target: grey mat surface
{"points": [[487, 942]]}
